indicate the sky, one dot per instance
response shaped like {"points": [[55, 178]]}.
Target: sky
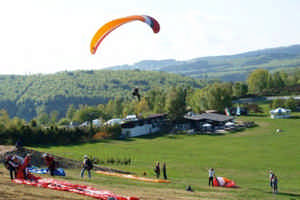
{"points": [[48, 36]]}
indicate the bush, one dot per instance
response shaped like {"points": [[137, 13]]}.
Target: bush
{"points": [[114, 131]]}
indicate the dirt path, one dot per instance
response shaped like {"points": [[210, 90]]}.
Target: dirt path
{"points": [[6, 148]]}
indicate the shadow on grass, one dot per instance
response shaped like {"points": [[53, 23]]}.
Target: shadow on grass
{"points": [[257, 115], [153, 135], [213, 134], [294, 117], [289, 194], [94, 141], [72, 144]]}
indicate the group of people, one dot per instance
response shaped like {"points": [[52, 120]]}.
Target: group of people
{"points": [[12, 163], [273, 179], [18, 166], [157, 170]]}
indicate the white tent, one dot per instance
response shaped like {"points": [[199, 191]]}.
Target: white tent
{"points": [[280, 113], [206, 125], [229, 124]]}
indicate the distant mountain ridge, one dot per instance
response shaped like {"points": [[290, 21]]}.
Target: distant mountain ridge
{"points": [[227, 67]]}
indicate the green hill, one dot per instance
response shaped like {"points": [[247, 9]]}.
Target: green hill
{"points": [[226, 68], [26, 96]]}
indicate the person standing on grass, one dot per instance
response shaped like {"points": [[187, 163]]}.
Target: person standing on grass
{"points": [[87, 165], [50, 162], [22, 172], [271, 176], [165, 171], [275, 184], [157, 170], [12, 165], [211, 174]]}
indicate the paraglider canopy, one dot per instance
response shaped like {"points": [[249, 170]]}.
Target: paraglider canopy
{"points": [[112, 25]]}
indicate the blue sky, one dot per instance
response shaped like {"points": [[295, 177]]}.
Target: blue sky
{"points": [[54, 35]]}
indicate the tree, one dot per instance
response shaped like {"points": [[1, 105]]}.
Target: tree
{"points": [[254, 108], [277, 80], [239, 89], [175, 103], [218, 97], [159, 104], [87, 113], [53, 116], [33, 123], [4, 118], [277, 103], [142, 106], [258, 81], [114, 107], [290, 103], [16, 123], [64, 122], [43, 118], [129, 107], [156, 100], [70, 112]]}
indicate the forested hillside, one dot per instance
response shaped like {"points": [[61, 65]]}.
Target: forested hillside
{"points": [[27, 96], [227, 68]]}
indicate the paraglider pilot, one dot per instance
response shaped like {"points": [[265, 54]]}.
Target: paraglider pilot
{"points": [[157, 170], [136, 93], [87, 165], [50, 162], [11, 163]]}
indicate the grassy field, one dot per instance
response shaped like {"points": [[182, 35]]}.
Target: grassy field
{"points": [[244, 157]]}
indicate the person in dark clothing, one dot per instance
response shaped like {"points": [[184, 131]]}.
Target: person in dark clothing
{"points": [[275, 184], [12, 166], [165, 171], [157, 170], [189, 188], [87, 165], [50, 162], [19, 144]]}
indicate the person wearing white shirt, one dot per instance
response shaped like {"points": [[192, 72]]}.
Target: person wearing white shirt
{"points": [[211, 174]]}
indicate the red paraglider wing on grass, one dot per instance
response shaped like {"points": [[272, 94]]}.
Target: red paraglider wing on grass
{"points": [[224, 182], [75, 188]]}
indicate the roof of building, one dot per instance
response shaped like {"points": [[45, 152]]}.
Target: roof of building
{"points": [[150, 117], [208, 116]]}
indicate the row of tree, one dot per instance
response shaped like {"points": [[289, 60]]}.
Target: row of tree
{"points": [[261, 81], [176, 101], [289, 103]]}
